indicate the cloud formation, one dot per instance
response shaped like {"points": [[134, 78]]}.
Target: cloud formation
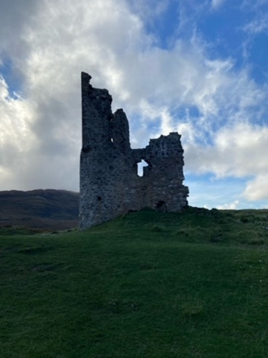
{"points": [[235, 152], [231, 206], [217, 106], [256, 189], [217, 3]]}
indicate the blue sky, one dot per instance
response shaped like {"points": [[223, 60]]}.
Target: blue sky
{"points": [[196, 67]]}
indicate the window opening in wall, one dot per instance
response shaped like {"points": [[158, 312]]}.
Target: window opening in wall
{"points": [[112, 140], [140, 166]]}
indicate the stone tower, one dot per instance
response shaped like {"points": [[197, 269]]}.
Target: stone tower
{"points": [[109, 183]]}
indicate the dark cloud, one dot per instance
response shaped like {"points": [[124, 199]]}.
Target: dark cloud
{"points": [[15, 15]]}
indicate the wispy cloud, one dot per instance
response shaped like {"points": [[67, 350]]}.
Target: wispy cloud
{"points": [[215, 4], [230, 206], [258, 25]]}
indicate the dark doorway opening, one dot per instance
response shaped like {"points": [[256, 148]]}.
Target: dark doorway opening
{"points": [[161, 206]]}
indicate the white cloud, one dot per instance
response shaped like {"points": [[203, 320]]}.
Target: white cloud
{"points": [[144, 8], [253, 5], [53, 42], [231, 206], [215, 4], [237, 151], [258, 25], [57, 51], [257, 188], [16, 137]]}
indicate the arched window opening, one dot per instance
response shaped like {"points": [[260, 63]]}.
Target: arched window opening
{"points": [[141, 165]]}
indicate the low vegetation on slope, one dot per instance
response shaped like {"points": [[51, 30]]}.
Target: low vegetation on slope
{"points": [[46, 209], [149, 284]]}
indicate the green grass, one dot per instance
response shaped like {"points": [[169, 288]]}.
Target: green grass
{"points": [[145, 285]]}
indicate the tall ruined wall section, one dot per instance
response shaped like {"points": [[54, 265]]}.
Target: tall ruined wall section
{"points": [[109, 184]]}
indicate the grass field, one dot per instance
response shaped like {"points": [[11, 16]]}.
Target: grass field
{"points": [[145, 285]]}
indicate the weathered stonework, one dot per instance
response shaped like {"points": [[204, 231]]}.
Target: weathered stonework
{"points": [[109, 184]]}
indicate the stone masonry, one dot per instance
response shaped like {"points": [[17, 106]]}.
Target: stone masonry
{"points": [[109, 183]]}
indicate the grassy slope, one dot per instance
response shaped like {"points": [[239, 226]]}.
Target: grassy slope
{"points": [[145, 285]]}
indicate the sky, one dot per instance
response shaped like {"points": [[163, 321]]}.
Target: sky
{"points": [[192, 66]]}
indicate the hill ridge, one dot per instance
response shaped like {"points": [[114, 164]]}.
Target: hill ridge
{"points": [[52, 209]]}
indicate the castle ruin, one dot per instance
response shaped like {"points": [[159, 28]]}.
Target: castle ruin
{"points": [[109, 182]]}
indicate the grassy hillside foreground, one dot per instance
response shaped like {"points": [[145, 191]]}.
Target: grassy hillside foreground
{"points": [[145, 285]]}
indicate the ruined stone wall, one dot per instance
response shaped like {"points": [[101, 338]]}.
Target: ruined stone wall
{"points": [[109, 184]]}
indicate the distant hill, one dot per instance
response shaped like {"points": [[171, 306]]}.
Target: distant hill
{"points": [[41, 209]]}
